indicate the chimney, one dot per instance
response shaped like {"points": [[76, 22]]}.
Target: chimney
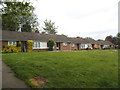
{"points": [[43, 32], [36, 31]]}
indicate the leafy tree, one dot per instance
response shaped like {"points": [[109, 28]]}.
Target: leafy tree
{"points": [[26, 27], [100, 40], [49, 27], [17, 14], [115, 40], [50, 44], [109, 38], [112, 39], [118, 37]]}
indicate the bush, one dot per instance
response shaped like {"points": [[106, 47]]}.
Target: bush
{"points": [[50, 44], [19, 44], [11, 49], [29, 46]]}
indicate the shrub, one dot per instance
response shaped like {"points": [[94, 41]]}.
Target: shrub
{"points": [[11, 48], [29, 46], [19, 44], [50, 44]]}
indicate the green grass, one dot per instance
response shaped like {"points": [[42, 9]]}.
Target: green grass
{"points": [[75, 69]]}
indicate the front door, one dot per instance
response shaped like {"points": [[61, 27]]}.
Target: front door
{"points": [[24, 46], [93, 46], [77, 46], [101, 46], [58, 46]]}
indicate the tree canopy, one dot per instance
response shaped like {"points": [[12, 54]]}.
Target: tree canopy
{"points": [[16, 15], [118, 36], [50, 27], [115, 40]]}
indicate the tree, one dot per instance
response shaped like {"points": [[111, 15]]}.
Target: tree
{"points": [[112, 39], [109, 38], [50, 44], [100, 40], [115, 40], [49, 27], [17, 14], [26, 27], [118, 37]]}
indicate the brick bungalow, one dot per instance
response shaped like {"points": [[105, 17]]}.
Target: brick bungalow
{"points": [[62, 42]]}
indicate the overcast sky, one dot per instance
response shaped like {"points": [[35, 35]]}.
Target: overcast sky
{"points": [[84, 18]]}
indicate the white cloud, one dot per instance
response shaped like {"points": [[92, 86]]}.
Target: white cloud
{"points": [[94, 18]]}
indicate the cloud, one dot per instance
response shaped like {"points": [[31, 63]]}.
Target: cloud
{"points": [[80, 16]]}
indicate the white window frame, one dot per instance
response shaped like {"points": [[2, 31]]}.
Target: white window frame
{"points": [[105, 46], [36, 45], [89, 45], [11, 42], [82, 46], [64, 44], [44, 45]]}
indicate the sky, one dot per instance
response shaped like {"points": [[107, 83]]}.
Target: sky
{"points": [[84, 18]]}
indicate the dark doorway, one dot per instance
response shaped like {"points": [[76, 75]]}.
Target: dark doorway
{"points": [[58, 46], [101, 46], [77, 46], [93, 46], [24, 46]]}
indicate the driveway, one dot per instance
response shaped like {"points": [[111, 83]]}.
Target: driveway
{"points": [[9, 80]]}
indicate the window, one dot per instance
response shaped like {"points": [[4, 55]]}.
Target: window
{"points": [[82, 45], [89, 45], [106, 46], [64, 44], [73, 44], [11, 43], [36, 45], [43, 45]]}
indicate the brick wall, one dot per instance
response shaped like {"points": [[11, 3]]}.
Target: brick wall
{"points": [[79, 46], [55, 46], [36, 50], [4, 43], [98, 46], [67, 47], [74, 47]]}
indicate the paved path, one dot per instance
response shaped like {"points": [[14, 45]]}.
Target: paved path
{"points": [[9, 80], [0, 73]]}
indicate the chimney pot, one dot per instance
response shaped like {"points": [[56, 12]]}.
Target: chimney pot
{"points": [[36, 31]]}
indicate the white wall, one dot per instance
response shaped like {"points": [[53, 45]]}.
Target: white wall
{"points": [[40, 45], [86, 45], [43, 45]]}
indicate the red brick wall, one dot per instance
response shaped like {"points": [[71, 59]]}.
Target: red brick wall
{"points": [[67, 47], [98, 46], [4, 43], [55, 46], [74, 48], [36, 50], [79, 46]]}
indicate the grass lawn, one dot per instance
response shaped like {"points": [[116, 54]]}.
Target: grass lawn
{"points": [[75, 69]]}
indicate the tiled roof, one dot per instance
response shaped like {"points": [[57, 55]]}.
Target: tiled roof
{"points": [[24, 36], [83, 40], [104, 43]]}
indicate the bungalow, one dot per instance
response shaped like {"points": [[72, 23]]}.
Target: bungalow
{"points": [[62, 42]]}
